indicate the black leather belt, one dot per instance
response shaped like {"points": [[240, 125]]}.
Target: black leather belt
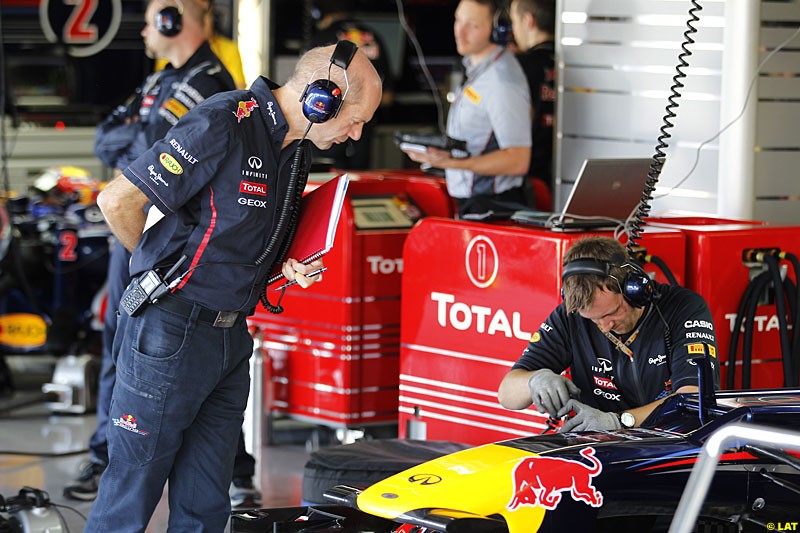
{"points": [[218, 319]]}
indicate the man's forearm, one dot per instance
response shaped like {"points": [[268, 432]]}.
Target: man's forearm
{"points": [[122, 205]]}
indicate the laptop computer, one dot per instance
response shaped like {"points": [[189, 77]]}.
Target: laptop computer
{"points": [[603, 196]]}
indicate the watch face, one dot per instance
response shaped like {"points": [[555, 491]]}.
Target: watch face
{"points": [[627, 420]]}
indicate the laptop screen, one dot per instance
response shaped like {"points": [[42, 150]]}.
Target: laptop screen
{"points": [[609, 188]]}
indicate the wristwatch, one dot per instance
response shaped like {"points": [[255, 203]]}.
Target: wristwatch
{"points": [[626, 419]]}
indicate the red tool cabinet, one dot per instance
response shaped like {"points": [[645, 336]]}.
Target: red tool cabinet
{"points": [[472, 295], [332, 356]]}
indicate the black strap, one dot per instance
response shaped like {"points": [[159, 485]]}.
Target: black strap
{"points": [[343, 53]]}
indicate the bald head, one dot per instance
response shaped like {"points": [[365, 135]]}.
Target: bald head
{"points": [[362, 88]]}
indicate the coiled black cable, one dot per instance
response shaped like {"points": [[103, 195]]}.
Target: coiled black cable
{"points": [[643, 209], [288, 215]]}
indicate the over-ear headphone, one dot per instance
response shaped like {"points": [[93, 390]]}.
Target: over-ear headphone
{"points": [[322, 99], [636, 287], [169, 21], [501, 24]]}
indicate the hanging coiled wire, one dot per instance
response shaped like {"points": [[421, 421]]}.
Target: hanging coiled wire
{"points": [[637, 222]]}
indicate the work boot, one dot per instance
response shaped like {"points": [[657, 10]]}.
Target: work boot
{"points": [[86, 487], [243, 494]]}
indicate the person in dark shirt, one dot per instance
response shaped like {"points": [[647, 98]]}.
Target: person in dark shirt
{"points": [[626, 351], [533, 23], [190, 74], [223, 187]]}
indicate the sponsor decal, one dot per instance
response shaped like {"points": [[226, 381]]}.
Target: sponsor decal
{"points": [[605, 366], [175, 107], [253, 203], [244, 109], [699, 335], [658, 360], [156, 176], [253, 174], [182, 151], [384, 265], [247, 187], [255, 162], [148, 100], [698, 348], [481, 261], [271, 115], [472, 95], [464, 317], [128, 423], [607, 395], [425, 479], [170, 164], [540, 481], [22, 330], [536, 337], [546, 327], [712, 351], [698, 324], [762, 322], [604, 382]]}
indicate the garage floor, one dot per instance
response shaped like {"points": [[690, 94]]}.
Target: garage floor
{"points": [[45, 451]]}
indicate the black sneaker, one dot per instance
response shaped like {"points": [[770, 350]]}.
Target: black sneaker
{"points": [[86, 487], [243, 494]]}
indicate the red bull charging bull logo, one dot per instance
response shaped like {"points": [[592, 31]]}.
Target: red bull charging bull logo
{"points": [[541, 480], [244, 109]]}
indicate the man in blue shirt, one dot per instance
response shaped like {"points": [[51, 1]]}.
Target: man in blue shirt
{"points": [[223, 184], [628, 342]]}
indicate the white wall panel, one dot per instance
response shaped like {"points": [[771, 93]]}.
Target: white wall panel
{"points": [[615, 71]]}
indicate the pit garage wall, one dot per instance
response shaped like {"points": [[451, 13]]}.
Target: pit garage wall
{"points": [[615, 64]]}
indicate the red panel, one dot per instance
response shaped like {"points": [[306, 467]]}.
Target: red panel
{"points": [[334, 351], [714, 268], [472, 296]]}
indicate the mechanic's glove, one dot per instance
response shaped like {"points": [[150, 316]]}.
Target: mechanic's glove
{"points": [[587, 418], [550, 391]]}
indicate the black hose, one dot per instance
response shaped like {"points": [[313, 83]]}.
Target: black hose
{"points": [[783, 328], [664, 268], [792, 258], [737, 326], [760, 283]]}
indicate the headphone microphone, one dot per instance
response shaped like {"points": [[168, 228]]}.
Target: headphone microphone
{"points": [[322, 99], [636, 286], [501, 24], [169, 20]]}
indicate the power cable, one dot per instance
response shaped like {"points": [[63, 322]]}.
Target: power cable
{"points": [[401, 15], [737, 117]]}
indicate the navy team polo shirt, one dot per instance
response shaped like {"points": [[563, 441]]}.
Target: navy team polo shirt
{"points": [[217, 176]]}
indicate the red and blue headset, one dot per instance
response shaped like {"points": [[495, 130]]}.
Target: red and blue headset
{"points": [[636, 287], [322, 99], [501, 24], [169, 21]]}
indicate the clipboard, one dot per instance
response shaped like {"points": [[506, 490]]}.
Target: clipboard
{"points": [[316, 225]]}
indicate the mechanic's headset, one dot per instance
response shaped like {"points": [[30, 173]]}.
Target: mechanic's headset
{"points": [[169, 21], [501, 24], [322, 99], [636, 287]]}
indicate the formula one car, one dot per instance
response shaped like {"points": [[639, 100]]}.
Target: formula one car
{"points": [[627, 480]]}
